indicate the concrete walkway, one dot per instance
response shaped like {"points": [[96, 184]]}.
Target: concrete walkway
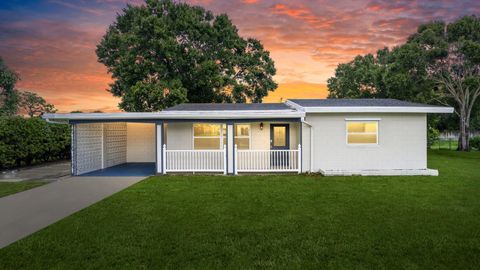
{"points": [[47, 171], [24, 213]]}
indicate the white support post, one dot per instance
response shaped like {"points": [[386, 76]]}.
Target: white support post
{"points": [[103, 145], [159, 150], [235, 153], [299, 156], [224, 159], [73, 148], [230, 149], [164, 160]]}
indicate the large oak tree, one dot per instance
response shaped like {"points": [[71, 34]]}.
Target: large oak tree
{"points": [[163, 53]]}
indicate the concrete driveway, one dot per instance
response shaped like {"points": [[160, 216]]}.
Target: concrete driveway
{"points": [[24, 213]]}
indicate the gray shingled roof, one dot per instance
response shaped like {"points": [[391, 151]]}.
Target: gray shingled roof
{"points": [[360, 102], [228, 107]]}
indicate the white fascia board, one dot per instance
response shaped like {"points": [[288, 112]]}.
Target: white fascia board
{"points": [[294, 105], [426, 109], [177, 115]]}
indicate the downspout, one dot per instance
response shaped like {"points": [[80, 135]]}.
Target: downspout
{"points": [[311, 142]]}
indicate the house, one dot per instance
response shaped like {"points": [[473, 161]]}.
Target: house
{"points": [[329, 136]]}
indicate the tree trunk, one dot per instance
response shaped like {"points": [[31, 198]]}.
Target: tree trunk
{"points": [[463, 138]]}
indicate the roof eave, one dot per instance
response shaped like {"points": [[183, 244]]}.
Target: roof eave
{"points": [[372, 109], [185, 115]]}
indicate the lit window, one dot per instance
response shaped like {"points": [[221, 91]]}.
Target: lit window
{"points": [[362, 132], [208, 136], [242, 136]]}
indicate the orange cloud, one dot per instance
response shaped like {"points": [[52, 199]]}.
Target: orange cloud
{"points": [[374, 7], [250, 1], [302, 13]]}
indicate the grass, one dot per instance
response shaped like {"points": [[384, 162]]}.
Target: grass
{"points": [[450, 144], [287, 222], [8, 188]]}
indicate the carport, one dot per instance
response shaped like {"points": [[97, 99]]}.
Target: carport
{"points": [[126, 169], [113, 148]]}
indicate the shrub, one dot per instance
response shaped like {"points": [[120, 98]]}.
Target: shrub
{"points": [[432, 136], [26, 141], [475, 142]]}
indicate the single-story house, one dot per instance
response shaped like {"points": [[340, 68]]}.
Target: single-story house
{"points": [[328, 136]]}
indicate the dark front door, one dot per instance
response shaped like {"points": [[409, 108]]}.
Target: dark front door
{"points": [[279, 140]]}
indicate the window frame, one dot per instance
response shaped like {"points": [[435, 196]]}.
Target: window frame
{"points": [[366, 120], [221, 137], [243, 136]]}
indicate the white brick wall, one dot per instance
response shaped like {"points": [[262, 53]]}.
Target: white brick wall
{"points": [[88, 148]]}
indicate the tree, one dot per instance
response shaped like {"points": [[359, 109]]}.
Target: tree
{"points": [[8, 94], [164, 53], [438, 64], [455, 67], [398, 73], [35, 105]]}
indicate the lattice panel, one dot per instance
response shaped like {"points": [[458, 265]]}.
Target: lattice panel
{"points": [[87, 148], [115, 144]]}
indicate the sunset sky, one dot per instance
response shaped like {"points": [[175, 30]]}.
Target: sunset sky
{"points": [[51, 43]]}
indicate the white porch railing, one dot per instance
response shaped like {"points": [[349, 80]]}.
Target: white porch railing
{"points": [[268, 160], [195, 160], [245, 160]]}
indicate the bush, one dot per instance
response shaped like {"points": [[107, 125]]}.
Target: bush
{"points": [[475, 142], [432, 136], [26, 141]]}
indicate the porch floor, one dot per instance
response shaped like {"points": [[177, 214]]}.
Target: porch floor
{"points": [[126, 169]]}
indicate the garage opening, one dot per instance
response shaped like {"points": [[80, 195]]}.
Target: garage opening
{"points": [[113, 149]]}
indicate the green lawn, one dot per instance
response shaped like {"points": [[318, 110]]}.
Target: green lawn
{"points": [[445, 145], [7, 188], [302, 222]]}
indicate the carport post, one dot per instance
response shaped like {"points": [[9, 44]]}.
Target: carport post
{"points": [[102, 134], [73, 149], [158, 147]]}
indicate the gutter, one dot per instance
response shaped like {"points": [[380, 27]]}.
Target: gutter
{"points": [[55, 122], [189, 115], [311, 142]]}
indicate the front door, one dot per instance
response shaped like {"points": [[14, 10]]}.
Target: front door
{"points": [[279, 140]]}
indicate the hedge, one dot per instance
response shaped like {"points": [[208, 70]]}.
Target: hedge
{"points": [[475, 142], [26, 141]]}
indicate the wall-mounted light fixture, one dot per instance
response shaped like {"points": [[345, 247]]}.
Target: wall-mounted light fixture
{"points": [[261, 125]]}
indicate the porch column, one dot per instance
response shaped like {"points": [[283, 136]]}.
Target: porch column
{"points": [[159, 147], [230, 149], [73, 150]]}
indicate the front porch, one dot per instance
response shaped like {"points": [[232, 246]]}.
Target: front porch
{"points": [[231, 148]]}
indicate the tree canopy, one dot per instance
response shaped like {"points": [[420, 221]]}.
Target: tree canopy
{"points": [[8, 95], [399, 73], [164, 53], [35, 105]]}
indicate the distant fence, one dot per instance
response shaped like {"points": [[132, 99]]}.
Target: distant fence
{"points": [[449, 140], [453, 135]]}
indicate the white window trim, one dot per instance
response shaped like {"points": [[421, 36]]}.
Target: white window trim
{"points": [[375, 120], [207, 137], [243, 136]]}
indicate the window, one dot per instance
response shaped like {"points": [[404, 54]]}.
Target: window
{"points": [[362, 132], [208, 136], [242, 136]]}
